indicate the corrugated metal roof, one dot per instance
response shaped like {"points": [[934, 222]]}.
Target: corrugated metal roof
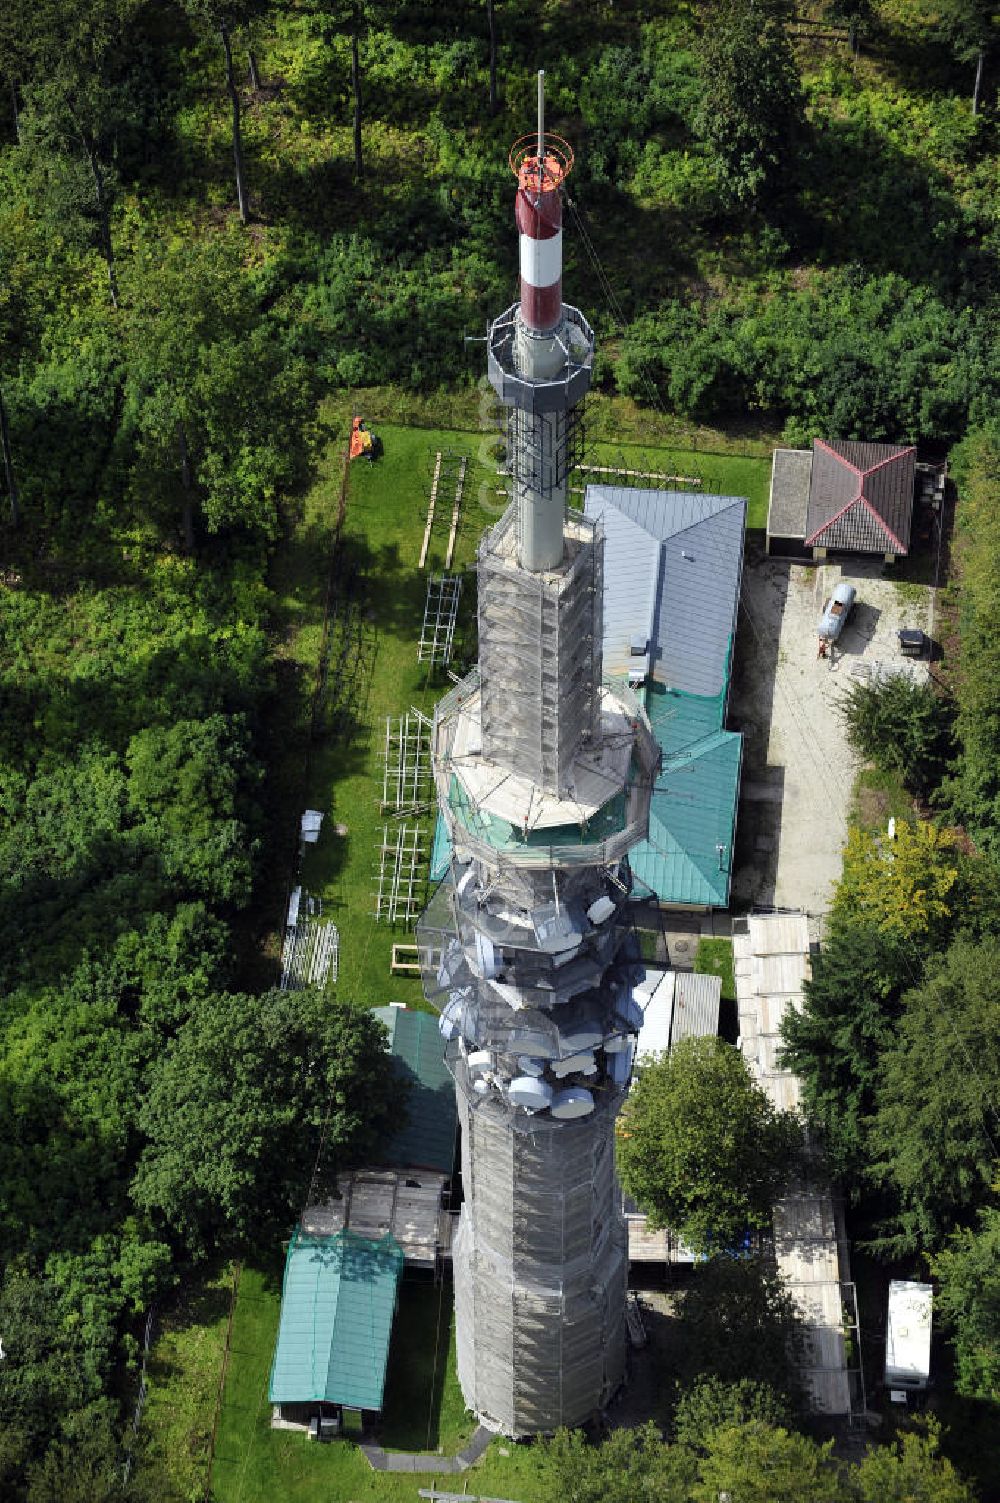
{"points": [[696, 1006], [779, 933], [426, 1139], [657, 1012], [770, 961], [861, 496], [337, 1306], [791, 470], [695, 544], [631, 561], [403, 1203]]}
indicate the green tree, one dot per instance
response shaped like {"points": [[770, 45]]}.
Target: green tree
{"points": [[188, 791], [968, 1303], [909, 888], [974, 791], [935, 1129], [223, 18], [701, 1148], [970, 29], [710, 1404], [908, 1471], [241, 1100], [835, 1042], [219, 409], [737, 1323], [628, 1466], [901, 726], [87, 1469], [759, 1463], [751, 114], [74, 62]]}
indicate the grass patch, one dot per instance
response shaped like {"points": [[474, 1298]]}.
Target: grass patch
{"points": [[255, 1464], [376, 611], [182, 1376], [378, 602], [878, 796], [424, 1408], [617, 420], [649, 944], [714, 957], [719, 473]]}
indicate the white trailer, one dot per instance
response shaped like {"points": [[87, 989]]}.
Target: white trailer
{"points": [[908, 1337]]}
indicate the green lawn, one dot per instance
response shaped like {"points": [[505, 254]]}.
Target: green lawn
{"points": [[381, 586], [382, 590], [878, 795], [714, 957], [182, 1377], [719, 474], [254, 1464]]}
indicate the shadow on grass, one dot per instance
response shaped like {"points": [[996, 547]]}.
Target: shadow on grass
{"points": [[423, 1409]]}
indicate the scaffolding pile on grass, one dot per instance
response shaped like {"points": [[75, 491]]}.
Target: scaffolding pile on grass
{"points": [[310, 952], [440, 614], [448, 478], [407, 781], [401, 875], [619, 473]]}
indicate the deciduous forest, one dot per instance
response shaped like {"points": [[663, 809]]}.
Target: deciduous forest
{"points": [[222, 222]]}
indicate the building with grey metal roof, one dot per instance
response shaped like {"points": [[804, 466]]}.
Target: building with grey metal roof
{"points": [[672, 567], [673, 563]]}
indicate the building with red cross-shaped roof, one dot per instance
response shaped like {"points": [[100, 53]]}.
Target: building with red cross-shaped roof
{"points": [[844, 497]]}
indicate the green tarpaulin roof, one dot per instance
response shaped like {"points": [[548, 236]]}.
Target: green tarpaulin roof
{"points": [[337, 1308], [692, 820], [425, 1137]]}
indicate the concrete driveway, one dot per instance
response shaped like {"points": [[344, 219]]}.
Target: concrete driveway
{"points": [[798, 770]]}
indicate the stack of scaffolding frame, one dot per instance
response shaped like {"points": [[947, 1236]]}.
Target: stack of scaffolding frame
{"points": [[406, 778], [310, 952], [449, 475], [440, 614], [399, 894]]}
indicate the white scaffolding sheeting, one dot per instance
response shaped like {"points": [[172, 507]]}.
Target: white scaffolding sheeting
{"points": [[310, 951], [440, 613], [400, 874], [407, 784]]}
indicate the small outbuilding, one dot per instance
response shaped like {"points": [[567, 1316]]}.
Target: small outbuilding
{"points": [[842, 497], [338, 1301]]}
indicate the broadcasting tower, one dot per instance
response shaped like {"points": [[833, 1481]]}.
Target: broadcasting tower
{"points": [[543, 774]]}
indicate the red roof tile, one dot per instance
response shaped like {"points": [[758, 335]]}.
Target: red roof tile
{"points": [[860, 497]]}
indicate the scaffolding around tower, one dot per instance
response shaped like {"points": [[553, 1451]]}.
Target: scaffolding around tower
{"points": [[540, 653], [544, 774]]}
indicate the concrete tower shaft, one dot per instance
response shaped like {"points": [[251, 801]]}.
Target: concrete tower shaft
{"points": [[543, 774]]}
